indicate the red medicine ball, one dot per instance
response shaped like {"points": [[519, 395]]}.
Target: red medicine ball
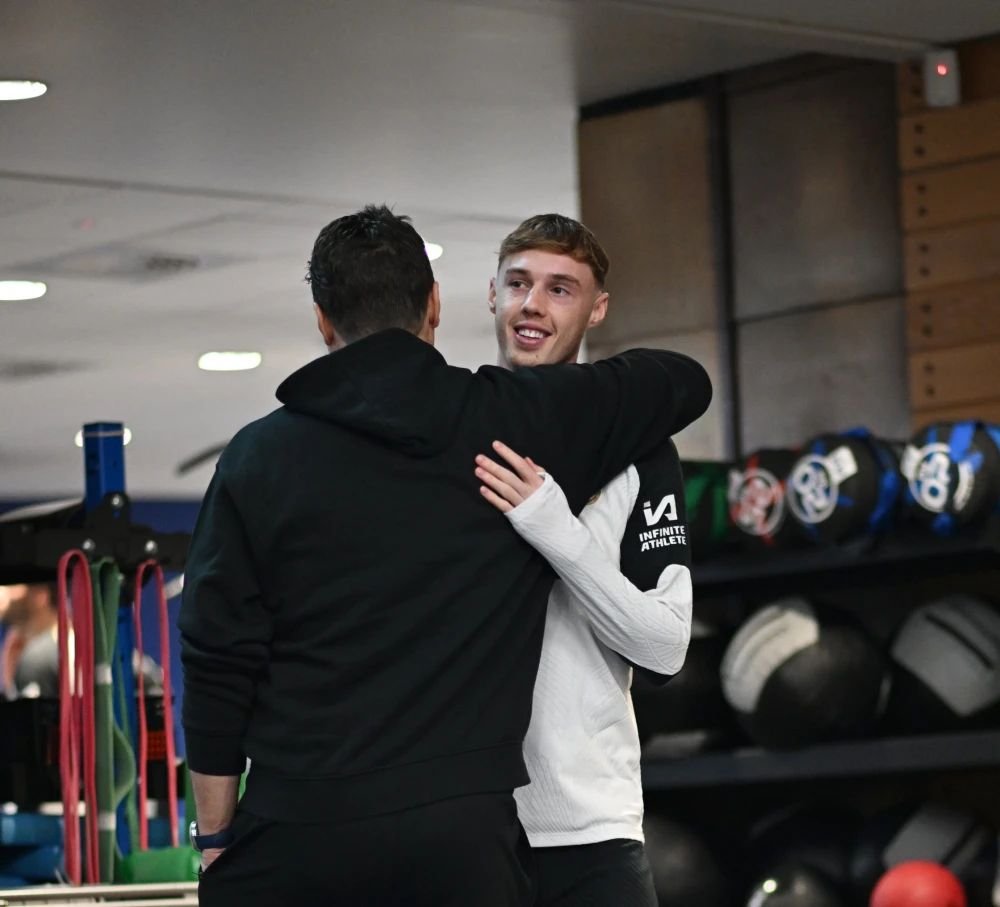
{"points": [[918, 884]]}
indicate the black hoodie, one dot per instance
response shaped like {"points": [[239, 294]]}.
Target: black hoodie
{"points": [[356, 619]]}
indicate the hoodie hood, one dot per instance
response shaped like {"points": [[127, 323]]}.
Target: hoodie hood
{"points": [[391, 386]]}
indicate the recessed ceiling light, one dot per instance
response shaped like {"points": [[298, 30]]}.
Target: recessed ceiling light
{"points": [[229, 361], [126, 437], [434, 251], [20, 290], [21, 89]]}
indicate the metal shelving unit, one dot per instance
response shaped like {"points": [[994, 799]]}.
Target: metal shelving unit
{"points": [[854, 759], [907, 554]]}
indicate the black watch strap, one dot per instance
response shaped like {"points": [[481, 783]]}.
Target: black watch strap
{"points": [[216, 841]]}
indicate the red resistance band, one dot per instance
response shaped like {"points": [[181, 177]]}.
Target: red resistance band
{"points": [[168, 708], [77, 741]]}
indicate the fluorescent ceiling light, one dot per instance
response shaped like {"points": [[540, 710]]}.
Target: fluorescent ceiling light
{"points": [[21, 90], [229, 361], [126, 437], [19, 290], [434, 251]]}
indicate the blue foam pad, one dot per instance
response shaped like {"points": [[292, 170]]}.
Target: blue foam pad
{"points": [[37, 864], [27, 829], [13, 882]]}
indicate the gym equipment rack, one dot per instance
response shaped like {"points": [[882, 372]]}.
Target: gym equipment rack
{"points": [[898, 557], [902, 554], [33, 539]]}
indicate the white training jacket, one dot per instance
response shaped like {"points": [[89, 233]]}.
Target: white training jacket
{"points": [[623, 599]]}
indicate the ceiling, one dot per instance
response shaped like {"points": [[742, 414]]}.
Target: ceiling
{"points": [[226, 134]]}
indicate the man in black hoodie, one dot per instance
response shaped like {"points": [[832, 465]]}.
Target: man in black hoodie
{"points": [[359, 624]]}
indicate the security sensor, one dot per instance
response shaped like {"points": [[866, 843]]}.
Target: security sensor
{"points": [[941, 79]]}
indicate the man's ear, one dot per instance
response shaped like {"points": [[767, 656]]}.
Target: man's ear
{"points": [[600, 310], [326, 329], [434, 306], [492, 296]]}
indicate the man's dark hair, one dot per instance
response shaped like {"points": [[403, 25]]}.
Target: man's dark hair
{"points": [[369, 271]]}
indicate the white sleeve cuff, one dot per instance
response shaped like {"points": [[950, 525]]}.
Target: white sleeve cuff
{"points": [[545, 521]]}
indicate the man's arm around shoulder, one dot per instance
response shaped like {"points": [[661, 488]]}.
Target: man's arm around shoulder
{"points": [[592, 421]]}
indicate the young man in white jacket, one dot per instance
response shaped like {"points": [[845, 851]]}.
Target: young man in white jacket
{"points": [[623, 601]]}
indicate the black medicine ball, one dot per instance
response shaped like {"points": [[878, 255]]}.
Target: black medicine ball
{"points": [[758, 508], [817, 836], [932, 831], [795, 885], [706, 506], [685, 871], [952, 474], [691, 702], [947, 661], [794, 681], [843, 486]]}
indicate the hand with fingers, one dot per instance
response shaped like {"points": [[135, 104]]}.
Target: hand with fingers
{"points": [[209, 855], [506, 488]]}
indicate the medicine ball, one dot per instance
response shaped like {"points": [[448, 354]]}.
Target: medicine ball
{"points": [[794, 681], [795, 885], [952, 473], [685, 872], [918, 884], [817, 836], [947, 661], [705, 484], [844, 485], [934, 832], [757, 502], [691, 702]]}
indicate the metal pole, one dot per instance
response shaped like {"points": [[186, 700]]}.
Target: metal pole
{"points": [[104, 461]]}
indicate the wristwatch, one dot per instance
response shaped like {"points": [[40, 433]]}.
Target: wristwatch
{"points": [[218, 840]]}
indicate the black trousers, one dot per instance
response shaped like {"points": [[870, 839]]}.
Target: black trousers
{"points": [[464, 852], [608, 874]]}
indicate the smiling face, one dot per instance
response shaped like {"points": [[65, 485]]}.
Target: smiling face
{"points": [[543, 304]]}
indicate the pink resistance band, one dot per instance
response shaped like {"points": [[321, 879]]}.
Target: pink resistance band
{"points": [[77, 741]]}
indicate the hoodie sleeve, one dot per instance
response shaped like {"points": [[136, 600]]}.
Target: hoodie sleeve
{"points": [[592, 421], [225, 636]]}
